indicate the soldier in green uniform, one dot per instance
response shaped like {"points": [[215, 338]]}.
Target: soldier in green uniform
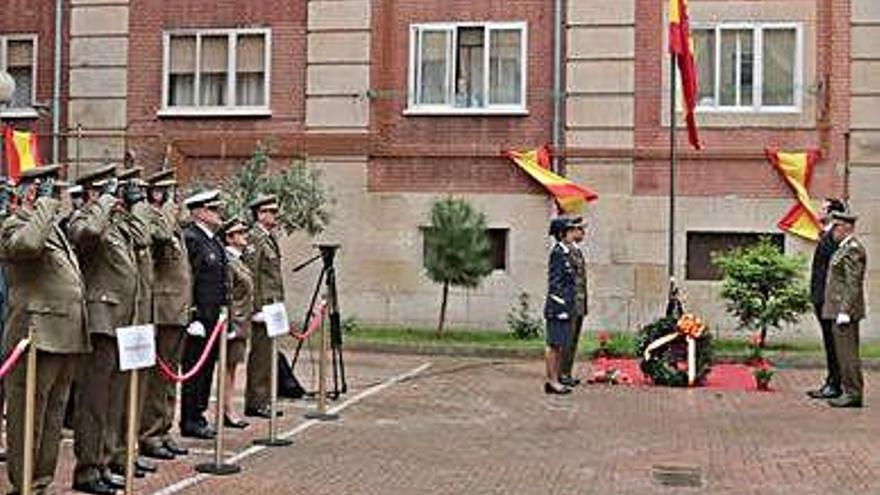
{"points": [[110, 270], [578, 263], [263, 257], [845, 305], [172, 298], [46, 291], [241, 293]]}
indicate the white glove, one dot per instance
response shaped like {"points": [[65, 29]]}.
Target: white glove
{"points": [[562, 316], [196, 329], [258, 318], [842, 319]]}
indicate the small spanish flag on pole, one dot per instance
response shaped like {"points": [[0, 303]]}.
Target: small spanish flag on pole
{"points": [[796, 169], [22, 152], [569, 196]]}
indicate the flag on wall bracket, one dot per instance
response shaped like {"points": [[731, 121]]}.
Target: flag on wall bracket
{"points": [[569, 196], [796, 169], [22, 152]]}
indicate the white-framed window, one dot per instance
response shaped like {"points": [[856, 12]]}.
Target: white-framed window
{"points": [[468, 68], [751, 67], [216, 72], [18, 57]]}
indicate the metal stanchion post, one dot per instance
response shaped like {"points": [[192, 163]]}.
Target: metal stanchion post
{"points": [[321, 413], [30, 396], [273, 440], [131, 432], [218, 467]]}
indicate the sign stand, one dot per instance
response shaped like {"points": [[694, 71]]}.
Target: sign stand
{"points": [[276, 325]]}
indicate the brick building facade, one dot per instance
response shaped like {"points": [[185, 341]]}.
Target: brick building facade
{"points": [[399, 102]]}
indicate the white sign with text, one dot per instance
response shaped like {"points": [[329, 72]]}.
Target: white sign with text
{"points": [[137, 347], [276, 320]]}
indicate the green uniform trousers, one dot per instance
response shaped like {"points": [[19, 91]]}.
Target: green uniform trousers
{"points": [[846, 346], [157, 416], [259, 366], [54, 376]]}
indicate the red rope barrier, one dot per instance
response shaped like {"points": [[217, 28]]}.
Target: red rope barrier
{"points": [[14, 356], [313, 325], [169, 373]]}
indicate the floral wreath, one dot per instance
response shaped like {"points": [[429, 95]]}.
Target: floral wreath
{"points": [[663, 349]]}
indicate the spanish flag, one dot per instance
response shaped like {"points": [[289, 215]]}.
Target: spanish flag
{"points": [[22, 152], [681, 47], [570, 197], [796, 169]]}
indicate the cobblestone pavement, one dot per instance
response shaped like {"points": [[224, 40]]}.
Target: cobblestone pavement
{"points": [[478, 426]]}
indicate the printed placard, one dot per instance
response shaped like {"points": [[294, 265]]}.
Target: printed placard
{"points": [[276, 320], [137, 347]]}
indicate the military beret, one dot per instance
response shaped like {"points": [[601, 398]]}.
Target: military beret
{"points": [[96, 175], [267, 201], [844, 217], [162, 178], [39, 173], [233, 225], [130, 173], [204, 199]]}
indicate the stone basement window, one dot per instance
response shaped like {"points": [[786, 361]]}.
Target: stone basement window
{"points": [[497, 247], [701, 245], [18, 57], [467, 69], [216, 72], [749, 67]]}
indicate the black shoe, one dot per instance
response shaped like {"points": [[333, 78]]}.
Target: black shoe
{"points": [[826, 392], [97, 487], [145, 465], [264, 412], [846, 400], [159, 452], [569, 381], [203, 432], [119, 470], [553, 390], [114, 480], [175, 448], [229, 423]]}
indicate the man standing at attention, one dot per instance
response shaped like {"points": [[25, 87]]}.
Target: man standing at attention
{"points": [[46, 291], [264, 259], [824, 250], [845, 304]]}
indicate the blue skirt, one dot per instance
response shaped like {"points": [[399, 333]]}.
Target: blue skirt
{"points": [[557, 332]]}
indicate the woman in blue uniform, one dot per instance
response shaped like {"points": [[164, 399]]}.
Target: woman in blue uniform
{"points": [[559, 307]]}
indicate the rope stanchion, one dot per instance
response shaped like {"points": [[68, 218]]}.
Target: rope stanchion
{"points": [[14, 356], [169, 373]]}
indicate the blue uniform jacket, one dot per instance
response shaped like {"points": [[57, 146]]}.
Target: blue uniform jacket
{"points": [[560, 285]]}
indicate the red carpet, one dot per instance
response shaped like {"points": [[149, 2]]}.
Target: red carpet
{"points": [[722, 377]]}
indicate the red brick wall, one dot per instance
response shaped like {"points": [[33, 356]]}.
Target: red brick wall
{"points": [[741, 172], [39, 17], [150, 18], [453, 153]]}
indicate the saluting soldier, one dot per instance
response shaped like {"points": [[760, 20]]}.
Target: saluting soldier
{"points": [[845, 304], [110, 270], [172, 298], [241, 289], [207, 260], [579, 264], [46, 291], [263, 257]]}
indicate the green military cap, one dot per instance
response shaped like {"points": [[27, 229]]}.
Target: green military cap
{"points": [[130, 173], [844, 217], [39, 173], [162, 178], [233, 225], [264, 201], [92, 177], [204, 199]]}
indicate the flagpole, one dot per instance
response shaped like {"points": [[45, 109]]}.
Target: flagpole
{"points": [[672, 158]]}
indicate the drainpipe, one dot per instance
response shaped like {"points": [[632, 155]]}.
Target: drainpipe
{"points": [[557, 81], [56, 83]]}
